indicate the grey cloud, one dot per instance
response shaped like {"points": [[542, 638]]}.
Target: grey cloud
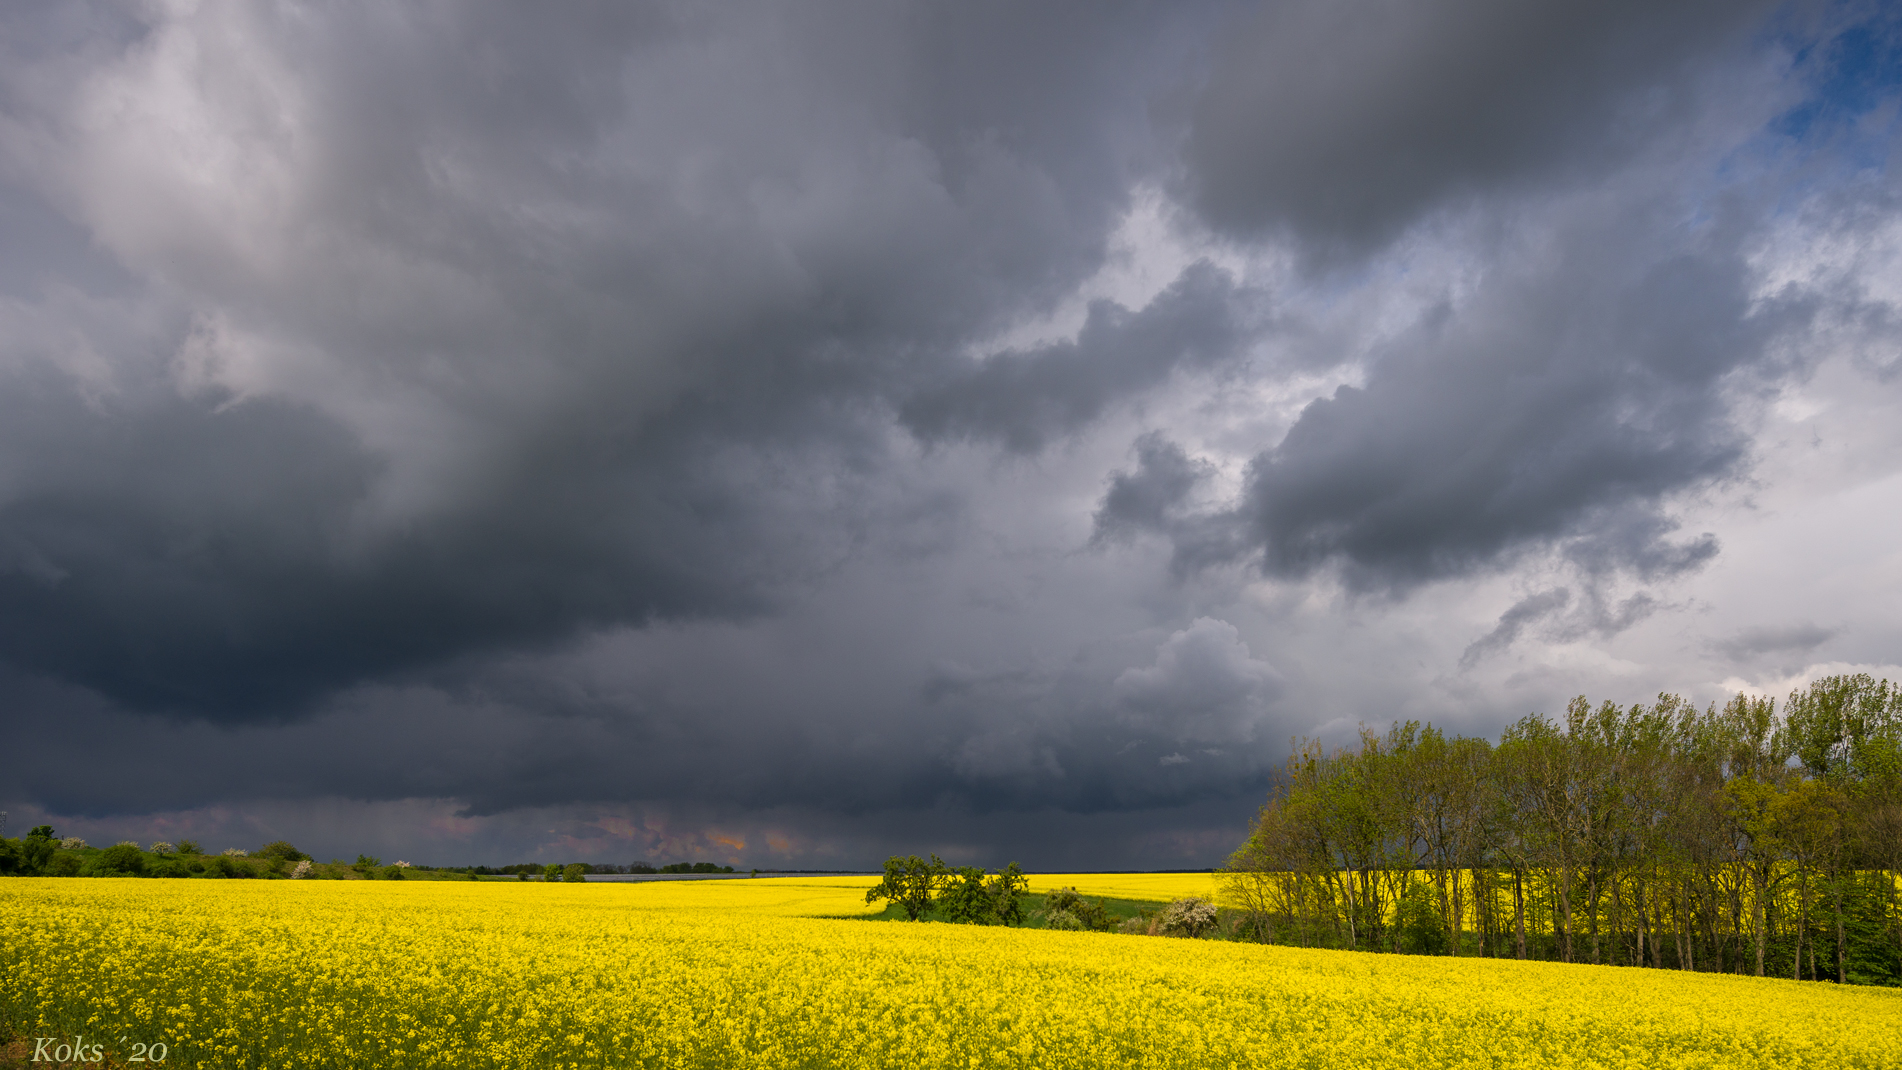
{"points": [[1205, 685], [1750, 643], [1558, 408], [1025, 399], [1597, 613], [1344, 122], [1609, 618], [1528, 610], [1148, 499], [473, 355], [206, 561]]}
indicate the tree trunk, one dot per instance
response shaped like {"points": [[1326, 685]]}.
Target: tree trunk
{"points": [[1643, 922], [1842, 967], [1565, 913], [1591, 919], [1758, 919], [1684, 926], [1519, 910], [1458, 916]]}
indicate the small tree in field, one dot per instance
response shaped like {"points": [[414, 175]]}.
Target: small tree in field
{"points": [[963, 900], [912, 883], [1004, 891]]}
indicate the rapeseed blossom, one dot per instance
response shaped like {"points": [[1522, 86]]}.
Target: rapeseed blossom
{"points": [[779, 974]]}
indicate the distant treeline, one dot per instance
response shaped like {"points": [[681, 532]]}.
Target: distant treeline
{"points": [[42, 853], [1743, 839], [636, 867]]}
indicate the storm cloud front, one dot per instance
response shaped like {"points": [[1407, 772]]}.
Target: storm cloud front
{"points": [[786, 435]]}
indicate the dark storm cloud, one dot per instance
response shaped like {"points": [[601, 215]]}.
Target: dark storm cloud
{"points": [[1147, 499], [507, 736], [510, 324], [1344, 122], [200, 560], [1026, 399], [1558, 407]]}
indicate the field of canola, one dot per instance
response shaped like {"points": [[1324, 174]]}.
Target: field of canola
{"points": [[1156, 887], [773, 973]]}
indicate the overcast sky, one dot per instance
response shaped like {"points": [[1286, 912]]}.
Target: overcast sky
{"points": [[788, 434]]}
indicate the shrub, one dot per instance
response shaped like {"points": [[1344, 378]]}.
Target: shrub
{"points": [[1190, 916], [168, 867], [1421, 930], [162, 848], [282, 851], [574, 872], [225, 865], [63, 865], [963, 900], [302, 871], [73, 843], [976, 898], [122, 858], [1088, 915], [236, 852], [366, 865], [37, 849], [1063, 919], [188, 847], [393, 873]]}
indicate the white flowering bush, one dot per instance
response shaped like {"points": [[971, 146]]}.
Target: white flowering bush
{"points": [[301, 871], [1189, 916], [237, 852], [162, 848], [1063, 919], [73, 843]]}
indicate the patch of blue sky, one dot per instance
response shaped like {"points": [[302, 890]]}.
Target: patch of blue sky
{"points": [[1854, 74], [1846, 70]]}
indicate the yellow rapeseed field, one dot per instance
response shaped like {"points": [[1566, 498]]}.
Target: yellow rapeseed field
{"points": [[773, 973], [1157, 887]]}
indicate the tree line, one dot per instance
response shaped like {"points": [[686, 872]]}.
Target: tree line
{"points": [[42, 853], [1743, 839]]}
